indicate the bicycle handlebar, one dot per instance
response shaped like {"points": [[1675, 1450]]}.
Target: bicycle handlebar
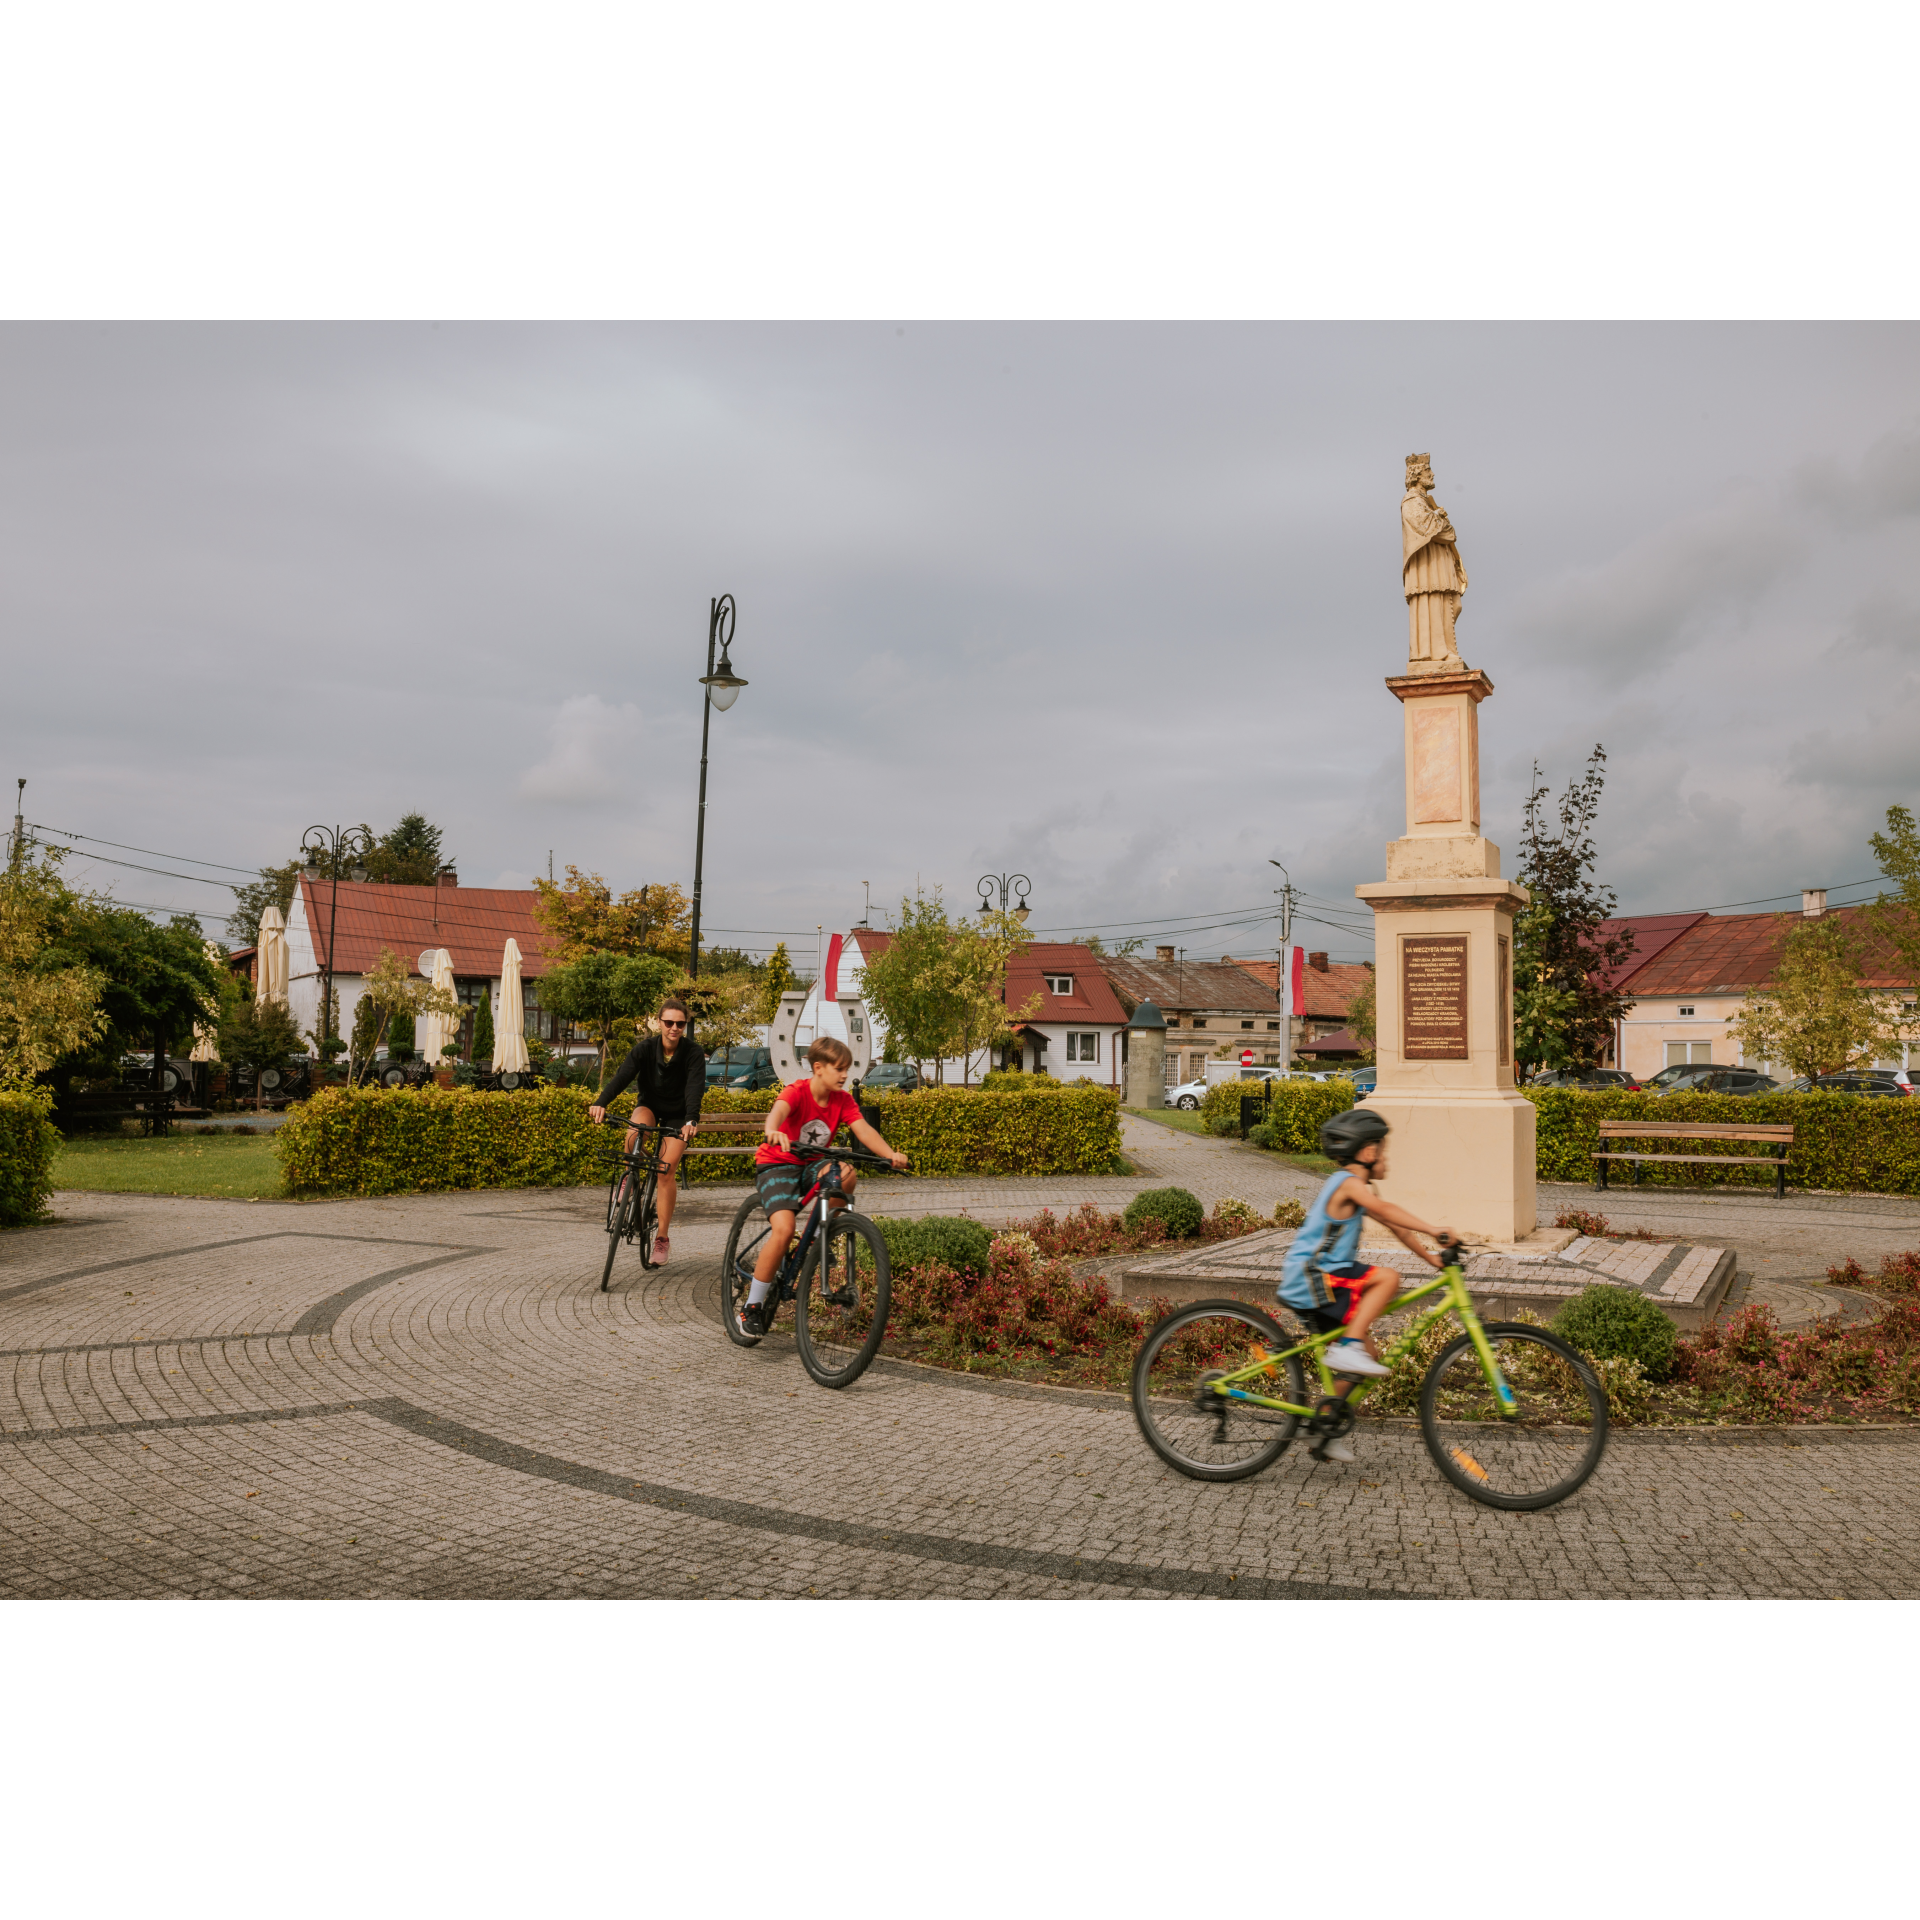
{"points": [[847, 1153]]}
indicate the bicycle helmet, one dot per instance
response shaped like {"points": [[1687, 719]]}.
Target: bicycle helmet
{"points": [[1342, 1137]]}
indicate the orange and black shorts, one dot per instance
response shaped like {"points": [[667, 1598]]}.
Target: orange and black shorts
{"points": [[1347, 1284]]}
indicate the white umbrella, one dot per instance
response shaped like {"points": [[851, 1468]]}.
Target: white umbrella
{"points": [[270, 967], [205, 1037], [510, 1017], [437, 1030]]}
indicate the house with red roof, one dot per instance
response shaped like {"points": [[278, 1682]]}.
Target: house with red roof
{"points": [[1690, 973], [474, 924]]}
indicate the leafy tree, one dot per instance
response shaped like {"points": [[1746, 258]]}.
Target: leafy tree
{"points": [[1563, 1009], [1895, 917], [725, 1007], [776, 978], [48, 1007], [400, 1032], [392, 993], [274, 888], [607, 993], [1363, 1017], [408, 854], [583, 917], [1113, 949], [158, 980], [1816, 1017], [483, 1026], [256, 1034]]}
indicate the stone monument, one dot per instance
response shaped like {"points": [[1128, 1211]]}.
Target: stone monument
{"points": [[1146, 1035], [1462, 1153]]}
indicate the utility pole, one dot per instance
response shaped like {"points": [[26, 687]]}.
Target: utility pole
{"points": [[1283, 991], [18, 851]]}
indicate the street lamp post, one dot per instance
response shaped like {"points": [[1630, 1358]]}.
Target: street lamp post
{"points": [[1018, 884], [723, 689], [325, 848], [1283, 987]]}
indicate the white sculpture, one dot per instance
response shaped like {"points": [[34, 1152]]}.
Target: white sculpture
{"points": [[1431, 572]]}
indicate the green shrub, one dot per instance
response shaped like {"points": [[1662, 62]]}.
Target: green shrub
{"points": [[937, 1240], [28, 1142], [1008, 1080], [1618, 1323], [1299, 1107], [1174, 1207], [1264, 1135], [405, 1140], [1290, 1213]]}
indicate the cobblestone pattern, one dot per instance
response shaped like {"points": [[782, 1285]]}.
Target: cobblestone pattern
{"points": [[431, 1397]]}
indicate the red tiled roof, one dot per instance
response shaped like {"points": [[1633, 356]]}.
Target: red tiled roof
{"points": [[474, 924], [1731, 952], [1193, 986], [1091, 999], [1326, 996], [1653, 934]]}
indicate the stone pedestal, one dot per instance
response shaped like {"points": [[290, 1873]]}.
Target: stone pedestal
{"points": [[1462, 1151], [1147, 1058]]}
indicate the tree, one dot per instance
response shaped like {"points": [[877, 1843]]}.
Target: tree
{"points": [[583, 917], [1815, 1017], [776, 978], [981, 950], [407, 854], [607, 993], [49, 1006], [1564, 1010], [1363, 1017], [159, 980], [392, 992], [274, 888], [483, 1026], [725, 1007], [1113, 949], [257, 1034], [1895, 917]]}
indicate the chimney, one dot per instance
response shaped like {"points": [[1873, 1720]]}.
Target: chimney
{"points": [[446, 877], [1813, 902], [1164, 953], [1318, 962]]}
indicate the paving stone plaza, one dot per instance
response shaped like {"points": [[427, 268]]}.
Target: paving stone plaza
{"points": [[430, 1397]]}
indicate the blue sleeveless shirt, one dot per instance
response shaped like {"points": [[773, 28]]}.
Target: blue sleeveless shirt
{"points": [[1322, 1242]]}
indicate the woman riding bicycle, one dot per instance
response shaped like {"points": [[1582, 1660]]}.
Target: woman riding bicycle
{"points": [[671, 1075]]}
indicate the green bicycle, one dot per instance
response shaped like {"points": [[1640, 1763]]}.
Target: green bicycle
{"points": [[1512, 1416]]}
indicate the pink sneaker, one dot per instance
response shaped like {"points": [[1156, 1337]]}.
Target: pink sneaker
{"points": [[661, 1250]]}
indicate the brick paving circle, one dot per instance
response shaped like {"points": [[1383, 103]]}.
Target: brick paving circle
{"points": [[431, 1397]]}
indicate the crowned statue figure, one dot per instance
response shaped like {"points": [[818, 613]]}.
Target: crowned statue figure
{"points": [[1431, 573]]}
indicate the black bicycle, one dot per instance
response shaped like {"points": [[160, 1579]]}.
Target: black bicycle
{"points": [[632, 1195], [834, 1273]]}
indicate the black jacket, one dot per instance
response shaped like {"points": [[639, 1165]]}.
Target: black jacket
{"points": [[670, 1089]]}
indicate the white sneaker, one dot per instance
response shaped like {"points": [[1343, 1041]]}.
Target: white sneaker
{"points": [[1336, 1449], [1349, 1356]]}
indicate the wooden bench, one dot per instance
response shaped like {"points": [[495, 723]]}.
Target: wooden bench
{"points": [[748, 1131], [1780, 1138]]}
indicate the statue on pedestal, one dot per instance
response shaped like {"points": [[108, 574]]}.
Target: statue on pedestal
{"points": [[1431, 572]]}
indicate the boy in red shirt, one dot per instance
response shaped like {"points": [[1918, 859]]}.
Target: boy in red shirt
{"points": [[807, 1114]]}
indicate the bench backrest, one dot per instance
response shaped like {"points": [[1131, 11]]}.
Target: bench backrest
{"points": [[733, 1123], [1680, 1130]]}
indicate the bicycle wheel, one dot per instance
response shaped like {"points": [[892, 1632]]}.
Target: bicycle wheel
{"points": [[1531, 1455], [1214, 1439], [736, 1268], [619, 1214], [647, 1217], [840, 1305]]}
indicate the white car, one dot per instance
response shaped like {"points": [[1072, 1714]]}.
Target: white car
{"points": [[1189, 1096], [1194, 1093]]}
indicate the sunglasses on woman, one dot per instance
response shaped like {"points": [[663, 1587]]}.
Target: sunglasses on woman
{"points": [[673, 1026]]}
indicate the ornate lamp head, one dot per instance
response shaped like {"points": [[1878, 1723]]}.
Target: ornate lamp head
{"points": [[1420, 470]]}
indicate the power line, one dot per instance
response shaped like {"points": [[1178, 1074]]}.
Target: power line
{"points": [[196, 879], [154, 852]]}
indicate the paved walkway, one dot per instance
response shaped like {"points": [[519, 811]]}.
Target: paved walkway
{"points": [[430, 1396]]}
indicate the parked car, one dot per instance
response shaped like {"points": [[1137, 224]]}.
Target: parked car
{"points": [[1698, 1079], [1365, 1079], [886, 1076], [748, 1069], [1594, 1079], [1883, 1085]]}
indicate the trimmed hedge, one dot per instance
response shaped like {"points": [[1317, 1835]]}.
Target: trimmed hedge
{"points": [[1174, 1207], [1620, 1323], [374, 1140], [28, 1142], [940, 1239], [1300, 1108]]}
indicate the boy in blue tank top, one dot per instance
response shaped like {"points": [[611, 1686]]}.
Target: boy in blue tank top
{"points": [[1323, 1280]]}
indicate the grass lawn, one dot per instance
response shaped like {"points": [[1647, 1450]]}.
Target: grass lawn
{"points": [[1192, 1123], [225, 1166]]}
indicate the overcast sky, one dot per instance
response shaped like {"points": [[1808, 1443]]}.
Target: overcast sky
{"points": [[1108, 604]]}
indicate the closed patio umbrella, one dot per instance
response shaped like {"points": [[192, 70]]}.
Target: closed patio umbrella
{"points": [[509, 1024], [270, 969], [205, 1037], [437, 1030]]}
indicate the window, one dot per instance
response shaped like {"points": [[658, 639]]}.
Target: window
{"points": [[1273, 1026], [1686, 1013], [1059, 983], [1689, 1053], [1199, 1023], [1083, 1046], [1247, 1025]]}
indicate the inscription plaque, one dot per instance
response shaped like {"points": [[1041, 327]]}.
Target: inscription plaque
{"points": [[1433, 997]]}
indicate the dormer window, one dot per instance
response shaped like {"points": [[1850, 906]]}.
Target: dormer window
{"points": [[1059, 983], [1686, 1013]]}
